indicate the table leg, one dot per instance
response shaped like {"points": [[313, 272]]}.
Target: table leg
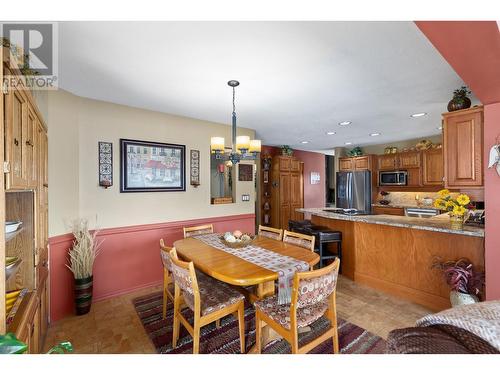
{"points": [[268, 334]]}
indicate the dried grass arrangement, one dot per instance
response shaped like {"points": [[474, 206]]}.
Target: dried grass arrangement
{"points": [[85, 249]]}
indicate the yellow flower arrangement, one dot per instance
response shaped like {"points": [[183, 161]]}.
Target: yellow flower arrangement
{"points": [[444, 193], [456, 207], [463, 199], [459, 210], [440, 203]]}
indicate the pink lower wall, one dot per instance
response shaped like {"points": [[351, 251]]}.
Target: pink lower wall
{"points": [[314, 195], [492, 204], [129, 259]]}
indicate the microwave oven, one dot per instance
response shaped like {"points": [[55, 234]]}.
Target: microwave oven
{"points": [[388, 178]]}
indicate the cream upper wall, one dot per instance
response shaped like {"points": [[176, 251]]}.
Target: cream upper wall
{"points": [[77, 124]]}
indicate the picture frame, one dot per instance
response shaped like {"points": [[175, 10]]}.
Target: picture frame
{"points": [[315, 178], [105, 150], [194, 167], [152, 166], [245, 172]]}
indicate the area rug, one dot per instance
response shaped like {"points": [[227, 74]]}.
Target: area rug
{"points": [[225, 340]]}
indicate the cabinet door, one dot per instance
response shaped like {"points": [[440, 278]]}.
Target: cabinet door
{"points": [[409, 159], [284, 216], [433, 170], [15, 124], [346, 164], [296, 189], [285, 193], [30, 129], [44, 313], [295, 165], [463, 134], [362, 163], [285, 163], [387, 162], [414, 178]]}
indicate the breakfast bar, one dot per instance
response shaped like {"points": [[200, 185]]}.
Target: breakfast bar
{"points": [[395, 254]]}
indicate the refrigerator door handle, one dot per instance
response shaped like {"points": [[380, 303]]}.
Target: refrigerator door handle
{"points": [[349, 190]]}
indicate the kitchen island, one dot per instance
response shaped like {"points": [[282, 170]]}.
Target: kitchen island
{"points": [[395, 253]]}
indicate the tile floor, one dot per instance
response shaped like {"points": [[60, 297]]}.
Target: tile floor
{"points": [[112, 326]]}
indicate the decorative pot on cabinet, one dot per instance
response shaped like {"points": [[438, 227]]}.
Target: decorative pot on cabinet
{"points": [[458, 104], [83, 295], [457, 299]]}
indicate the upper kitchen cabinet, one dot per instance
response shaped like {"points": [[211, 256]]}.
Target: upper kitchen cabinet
{"points": [[463, 148], [357, 163], [433, 167], [387, 162], [409, 159]]}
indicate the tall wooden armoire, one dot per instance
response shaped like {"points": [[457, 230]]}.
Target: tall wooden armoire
{"points": [[287, 190]]}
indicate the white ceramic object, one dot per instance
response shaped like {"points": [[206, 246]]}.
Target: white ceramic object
{"points": [[12, 226], [457, 299]]}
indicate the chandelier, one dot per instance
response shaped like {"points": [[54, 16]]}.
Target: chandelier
{"points": [[242, 147]]}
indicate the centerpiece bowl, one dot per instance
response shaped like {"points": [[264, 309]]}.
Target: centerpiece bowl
{"points": [[237, 239]]}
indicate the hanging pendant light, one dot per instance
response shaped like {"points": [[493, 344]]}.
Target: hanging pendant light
{"points": [[242, 147]]}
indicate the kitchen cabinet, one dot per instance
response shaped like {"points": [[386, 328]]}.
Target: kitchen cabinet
{"points": [[432, 167], [356, 163], [409, 159], [377, 210], [387, 162], [287, 192], [463, 148], [414, 177]]}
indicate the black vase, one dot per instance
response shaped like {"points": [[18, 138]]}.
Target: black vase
{"points": [[83, 295], [457, 104]]}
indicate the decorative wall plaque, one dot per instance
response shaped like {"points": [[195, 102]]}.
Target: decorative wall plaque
{"points": [[245, 172], [195, 167], [105, 164]]}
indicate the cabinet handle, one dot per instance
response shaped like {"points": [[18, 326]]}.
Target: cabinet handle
{"points": [[16, 141], [29, 143]]}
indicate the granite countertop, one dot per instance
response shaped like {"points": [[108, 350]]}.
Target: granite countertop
{"points": [[401, 205], [439, 223]]}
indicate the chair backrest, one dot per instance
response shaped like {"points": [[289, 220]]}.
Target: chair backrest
{"points": [[200, 229], [275, 234], [313, 287], [299, 239], [185, 279], [165, 257]]}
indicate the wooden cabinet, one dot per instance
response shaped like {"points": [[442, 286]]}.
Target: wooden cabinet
{"points": [[414, 177], [409, 159], [432, 167], [287, 193], [388, 211], [387, 162], [463, 148], [357, 163]]}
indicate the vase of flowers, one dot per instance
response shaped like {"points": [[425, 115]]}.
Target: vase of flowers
{"points": [[457, 207], [81, 262], [466, 284]]}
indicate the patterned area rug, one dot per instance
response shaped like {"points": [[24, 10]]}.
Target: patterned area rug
{"points": [[225, 340]]}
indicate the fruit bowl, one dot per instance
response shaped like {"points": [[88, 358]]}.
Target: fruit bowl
{"points": [[237, 239]]}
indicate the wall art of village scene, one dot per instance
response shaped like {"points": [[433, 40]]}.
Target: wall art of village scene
{"points": [[154, 167]]}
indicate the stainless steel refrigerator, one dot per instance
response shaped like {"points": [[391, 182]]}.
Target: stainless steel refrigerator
{"points": [[354, 191]]}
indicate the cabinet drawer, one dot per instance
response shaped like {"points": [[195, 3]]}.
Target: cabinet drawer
{"points": [[389, 211]]}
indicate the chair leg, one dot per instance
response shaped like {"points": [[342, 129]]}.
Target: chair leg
{"points": [[177, 323], [217, 323], [339, 255], [258, 332], [165, 301], [241, 325], [295, 342], [196, 336], [320, 254]]}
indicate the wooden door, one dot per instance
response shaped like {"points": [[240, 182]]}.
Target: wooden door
{"points": [[285, 163], [346, 164], [409, 159], [296, 195], [387, 162], [463, 150], [414, 178], [432, 167], [294, 165], [15, 124], [285, 199], [362, 163]]}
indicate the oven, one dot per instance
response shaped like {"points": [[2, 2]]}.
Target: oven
{"points": [[396, 178]]}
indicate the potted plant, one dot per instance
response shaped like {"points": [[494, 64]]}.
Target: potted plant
{"points": [[457, 207], [465, 283], [81, 262], [286, 150], [460, 99]]}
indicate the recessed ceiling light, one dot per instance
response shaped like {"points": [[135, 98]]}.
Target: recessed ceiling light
{"points": [[330, 133], [420, 114], [374, 134], [348, 143], [439, 128], [344, 123], [304, 142]]}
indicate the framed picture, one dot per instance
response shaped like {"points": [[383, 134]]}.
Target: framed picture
{"points": [[245, 172], [152, 166], [105, 164], [194, 167], [315, 178], [266, 177]]}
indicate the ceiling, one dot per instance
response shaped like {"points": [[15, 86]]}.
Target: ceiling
{"points": [[298, 79]]}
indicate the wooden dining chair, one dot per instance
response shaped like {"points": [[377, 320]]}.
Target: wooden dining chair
{"points": [[200, 229], [299, 239], [269, 232], [209, 299], [168, 282], [313, 296]]}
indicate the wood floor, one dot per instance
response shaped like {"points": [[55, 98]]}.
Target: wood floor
{"points": [[113, 326]]}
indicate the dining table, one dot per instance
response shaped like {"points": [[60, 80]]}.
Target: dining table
{"points": [[241, 273]]}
